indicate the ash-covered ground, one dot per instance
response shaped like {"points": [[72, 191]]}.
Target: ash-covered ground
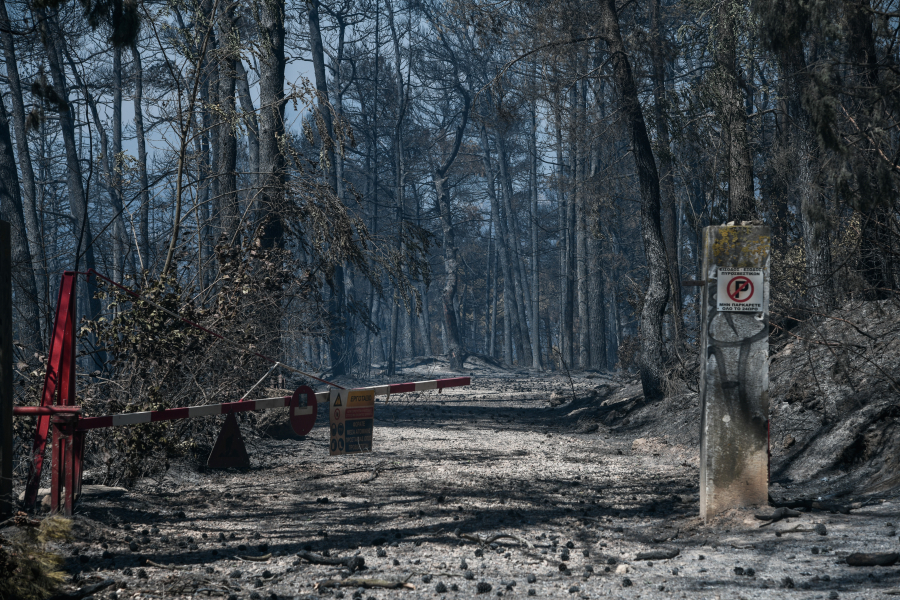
{"points": [[524, 484]]}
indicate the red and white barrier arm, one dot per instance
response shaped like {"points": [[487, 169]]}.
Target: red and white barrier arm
{"points": [[416, 386], [172, 414]]}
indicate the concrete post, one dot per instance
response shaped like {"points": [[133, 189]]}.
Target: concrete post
{"points": [[6, 374], [734, 375]]}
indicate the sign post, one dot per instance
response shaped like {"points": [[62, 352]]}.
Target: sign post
{"points": [[734, 376], [6, 374]]}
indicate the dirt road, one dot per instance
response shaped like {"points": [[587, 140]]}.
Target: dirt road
{"points": [[572, 493]]}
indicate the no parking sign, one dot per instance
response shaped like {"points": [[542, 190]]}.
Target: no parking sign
{"points": [[740, 290]]}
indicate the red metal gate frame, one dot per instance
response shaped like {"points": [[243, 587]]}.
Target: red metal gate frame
{"points": [[59, 385]]}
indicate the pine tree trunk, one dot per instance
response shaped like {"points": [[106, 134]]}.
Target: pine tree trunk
{"points": [[337, 307], [741, 201], [144, 210], [399, 174], [509, 312], [25, 299], [596, 305], [581, 258], [271, 177], [670, 223], [520, 282], [29, 191], [651, 359], [535, 306], [250, 122], [230, 213]]}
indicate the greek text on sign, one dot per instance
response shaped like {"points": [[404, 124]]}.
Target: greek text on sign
{"points": [[740, 290], [352, 417]]}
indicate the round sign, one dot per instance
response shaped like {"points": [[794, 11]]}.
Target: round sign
{"points": [[740, 289], [303, 417]]}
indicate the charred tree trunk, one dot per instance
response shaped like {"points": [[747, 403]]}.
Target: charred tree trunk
{"points": [[733, 115], [652, 362], [144, 210], [227, 51], [455, 347], [535, 306], [337, 306], [25, 303], [522, 296], [581, 258], [670, 223], [399, 175], [29, 191], [510, 320], [250, 122]]}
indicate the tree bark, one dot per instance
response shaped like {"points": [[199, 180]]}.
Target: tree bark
{"points": [[670, 223], [29, 191], [252, 125], [11, 210], [535, 306], [455, 347], [143, 180], [399, 174], [597, 305], [733, 115], [337, 306], [230, 213], [581, 258], [522, 297], [509, 318], [272, 172], [652, 364]]}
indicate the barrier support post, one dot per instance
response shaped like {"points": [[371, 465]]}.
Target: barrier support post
{"points": [[63, 479], [6, 374], [734, 377]]}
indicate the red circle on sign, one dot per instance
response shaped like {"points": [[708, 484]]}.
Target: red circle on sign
{"points": [[303, 422], [337, 414], [738, 286]]}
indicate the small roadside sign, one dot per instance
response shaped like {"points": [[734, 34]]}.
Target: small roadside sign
{"points": [[303, 410], [352, 421], [740, 290]]}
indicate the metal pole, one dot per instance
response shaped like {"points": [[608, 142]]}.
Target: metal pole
{"points": [[6, 374]]}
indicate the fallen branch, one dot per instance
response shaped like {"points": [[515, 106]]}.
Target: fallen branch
{"points": [[661, 554], [168, 566], [354, 563], [365, 583], [85, 591], [485, 541], [777, 515], [263, 558], [872, 559]]}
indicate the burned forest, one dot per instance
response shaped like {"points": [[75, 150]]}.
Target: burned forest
{"points": [[389, 299]]}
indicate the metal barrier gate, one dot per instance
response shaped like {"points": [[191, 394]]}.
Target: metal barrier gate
{"points": [[58, 415]]}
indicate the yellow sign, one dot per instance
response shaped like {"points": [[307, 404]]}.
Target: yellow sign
{"points": [[352, 417]]}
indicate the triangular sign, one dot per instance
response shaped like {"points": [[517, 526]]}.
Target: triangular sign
{"points": [[337, 401], [229, 451]]}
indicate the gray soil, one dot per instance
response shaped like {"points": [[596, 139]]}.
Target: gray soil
{"points": [[580, 485]]}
